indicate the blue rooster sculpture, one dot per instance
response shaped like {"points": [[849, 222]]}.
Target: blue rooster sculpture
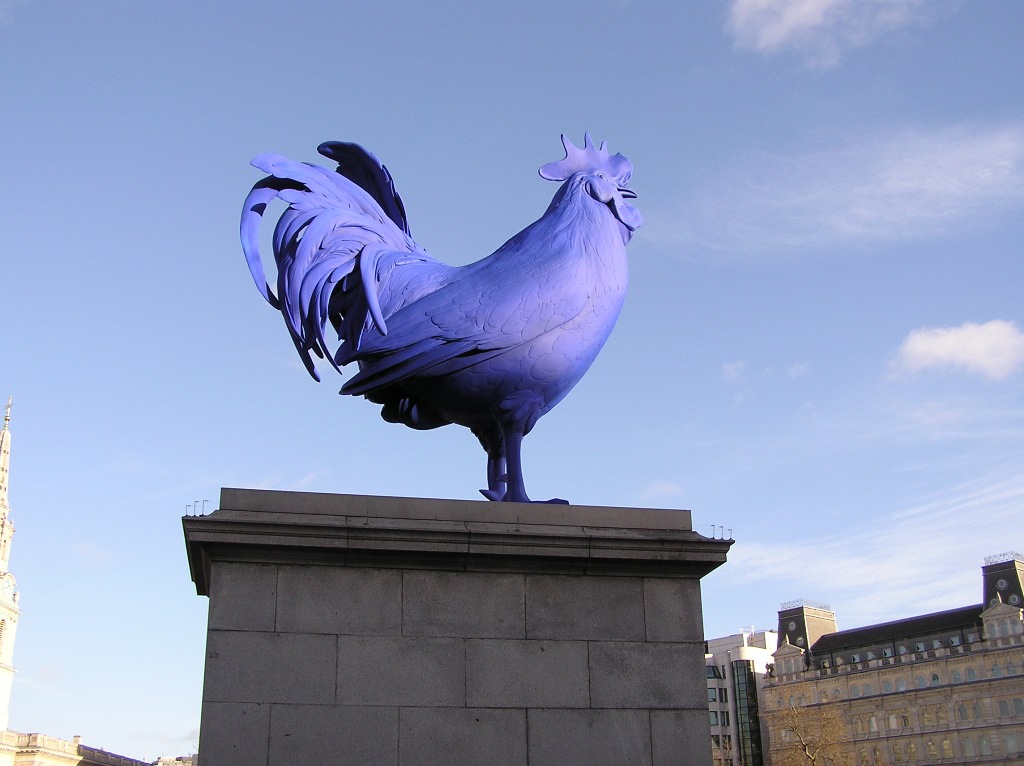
{"points": [[492, 345]]}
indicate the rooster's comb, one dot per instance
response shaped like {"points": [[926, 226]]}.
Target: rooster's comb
{"points": [[587, 158]]}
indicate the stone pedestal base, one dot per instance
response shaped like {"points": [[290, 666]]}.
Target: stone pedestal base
{"points": [[407, 632]]}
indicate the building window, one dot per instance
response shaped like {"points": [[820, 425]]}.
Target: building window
{"points": [[911, 752], [996, 671], [955, 676], [969, 750], [961, 712], [919, 646], [1011, 743], [971, 675], [935, 679], [984, 745], [933, 751], [897, 753], [712, 695], [714, 718], [873, 724], [954, 640], [972, 638], [928, 717], [919, 682], [947, 749], [936, 644], [887, 652], [725, 718], [1004, 708], [903, 650], [1011, 669], [723, 694], [901, 684], [854, 691], [1018, 706], [854, 658], [893, 726], [886, 686], [976, 712]]}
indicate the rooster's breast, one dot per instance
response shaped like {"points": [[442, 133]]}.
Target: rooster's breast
{"points": [[530, 376]]}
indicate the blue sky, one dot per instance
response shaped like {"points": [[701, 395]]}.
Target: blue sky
{"points": [[822, 349]]}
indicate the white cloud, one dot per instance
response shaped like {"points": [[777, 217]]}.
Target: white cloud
{"points": [[890, 571], [907, 185], [733, 372], [661, 491], [821, 30], [994, 349]]}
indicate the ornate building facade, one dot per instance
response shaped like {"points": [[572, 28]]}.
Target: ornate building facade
{"points": [[943, 688]]}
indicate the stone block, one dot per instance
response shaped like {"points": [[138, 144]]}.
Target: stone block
{"points": [[465, 604], [235, 734], [450, 736], [242, 596], [627, 674], [590, 738], [401, 671], [584, 608], [672, 610], [502, 673], [269, 667], [680, 738], [344, 601], [367, 736]]}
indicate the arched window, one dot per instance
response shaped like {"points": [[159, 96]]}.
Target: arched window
{"points": [[901, 684], [854, 691], [935, 679], [969, 750], [1011, 743], [984, 745], [1004, 708], [858, 724], [868, 690], [996, 671], [886, 686], [873, 724], [962, 712], [955, 676], [1018, 706], [971, 675], [919, 682]]}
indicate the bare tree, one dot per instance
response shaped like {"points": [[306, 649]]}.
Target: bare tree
{"points": [[811, 736]]}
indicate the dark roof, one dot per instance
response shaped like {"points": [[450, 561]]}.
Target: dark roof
{"points": [[910, 627]]}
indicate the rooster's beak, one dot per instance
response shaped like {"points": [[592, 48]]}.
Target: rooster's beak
{"points": [[627, 193]]}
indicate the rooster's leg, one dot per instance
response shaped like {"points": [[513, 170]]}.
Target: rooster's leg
{"points": [[490, 440], [516, 489], [516, 492]]}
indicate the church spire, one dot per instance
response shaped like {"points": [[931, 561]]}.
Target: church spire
{"points": [[9, 611], [5, 460]]}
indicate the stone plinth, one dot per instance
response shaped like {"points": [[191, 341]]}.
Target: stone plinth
{"points": [[408, 632]]}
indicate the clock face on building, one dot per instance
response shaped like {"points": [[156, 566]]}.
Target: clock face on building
{"points": [[1001, 584], [1015, 599], [792, 626]]}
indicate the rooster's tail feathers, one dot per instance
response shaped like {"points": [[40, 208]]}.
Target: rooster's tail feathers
{"points": [[330, 222]]}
